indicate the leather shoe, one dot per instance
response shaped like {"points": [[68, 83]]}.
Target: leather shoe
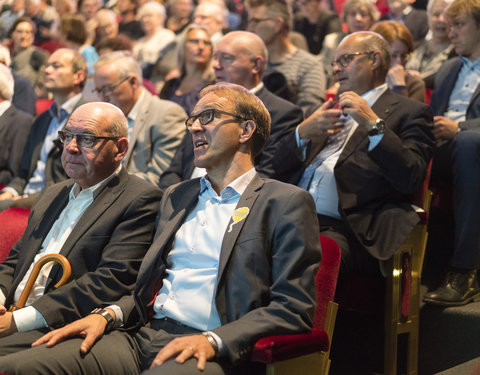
{"points": [[458, 288]]}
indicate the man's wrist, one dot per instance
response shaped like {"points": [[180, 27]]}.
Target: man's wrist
{"points": [[108, 315], [212, 341]]}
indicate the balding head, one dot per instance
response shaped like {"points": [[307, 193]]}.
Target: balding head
{"points": [[240, 58], [88, 164]]}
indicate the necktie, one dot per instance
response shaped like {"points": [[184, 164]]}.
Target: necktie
{"points": [[334, 143]]}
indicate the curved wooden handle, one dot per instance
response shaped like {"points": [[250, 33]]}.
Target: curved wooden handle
{"points": [[67, 271]]}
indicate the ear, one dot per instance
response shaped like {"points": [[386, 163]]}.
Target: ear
{"points": [[248, 128], [258, 65], [134, 82], [122, 146], [79, 77], [376, 60]]}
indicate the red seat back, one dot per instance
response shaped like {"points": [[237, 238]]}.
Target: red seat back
{"points": [[12, 225]]}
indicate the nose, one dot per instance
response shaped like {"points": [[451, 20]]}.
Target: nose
{"points": [[196, 127], [358, 16], [216, 63], [72, 146]]}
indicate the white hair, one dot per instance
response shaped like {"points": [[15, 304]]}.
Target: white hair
{"points": [[152, 7], [5, 55]]}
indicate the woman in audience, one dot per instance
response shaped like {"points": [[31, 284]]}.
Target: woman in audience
{"points": [[27, 60], [73, 34], [399, 79], [147, 49], [429, 56], [195, 59], [179, 15], [358, 15]]}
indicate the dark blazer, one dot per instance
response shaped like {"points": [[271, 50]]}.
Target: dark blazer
{"points": [[445, 80], [285, 117], [14, 128], [24, 96], [105, 249], [375, 187], [53, 169], [266, 269]]}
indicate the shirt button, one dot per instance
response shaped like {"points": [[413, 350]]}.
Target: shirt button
{"points": [[172, 296], [203, 223]]}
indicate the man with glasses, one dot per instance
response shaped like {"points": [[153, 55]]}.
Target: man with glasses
{"points": [[101, 220], [65, 75], [362, 155], [155, 126], [304, 74], [233, 260], [456, 106], [241, 58]]}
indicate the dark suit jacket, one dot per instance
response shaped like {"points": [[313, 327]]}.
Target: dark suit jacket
{"points": [[14, 128], [285, 117], [53, 170], [266, 269], [375, 187], [24, 96], [105, 249], [445, 80]]}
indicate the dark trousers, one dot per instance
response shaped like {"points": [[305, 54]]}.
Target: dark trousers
{"points": [[117, 352], [460, 160]]}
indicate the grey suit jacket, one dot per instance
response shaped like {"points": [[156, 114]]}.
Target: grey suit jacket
{"points": [[14, 128], [157, 132], [266, 269], [105, 248]]}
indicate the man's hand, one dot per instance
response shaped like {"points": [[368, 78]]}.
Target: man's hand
{"points": [[3, 310], [354, 105], [444, 129], [7, 324], [184, 348], [396, 76], [6, 195], [324, 119], [91, 328]]}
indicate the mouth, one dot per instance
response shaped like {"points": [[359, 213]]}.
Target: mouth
{"points": [[200, 144]]}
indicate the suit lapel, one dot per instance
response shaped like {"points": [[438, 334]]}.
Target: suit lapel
{"points": [[230, 237], [383, 107], [139, 123]]}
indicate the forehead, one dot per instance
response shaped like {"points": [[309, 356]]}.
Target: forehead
{"points": [[64, 57], [106, 71], [348, 45], [198, 33], [212, 100], [24, 26], [233, 46], [87, 120]]}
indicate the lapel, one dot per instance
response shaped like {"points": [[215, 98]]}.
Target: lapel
{"points": [[175, 208], [247, 199], [139, 124], [105, 198], [384, 107], [447, 86], [474, 98]]}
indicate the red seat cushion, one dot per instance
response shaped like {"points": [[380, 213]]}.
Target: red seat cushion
{"points": [[280, 348]]}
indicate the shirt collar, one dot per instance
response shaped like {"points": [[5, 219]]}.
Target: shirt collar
{"points": [[95, 189], [238, 185], [66, 109], [469, 63], [132, 115], [257, 88], [372, 96], [4, 106]]}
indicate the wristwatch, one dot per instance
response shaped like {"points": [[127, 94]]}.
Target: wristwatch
{"points": [[378, 128], [212, 341], [106, 315]]}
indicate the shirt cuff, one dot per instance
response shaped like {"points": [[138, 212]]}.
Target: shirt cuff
{"points": [[28, 319], [374, 141], [219, 342], [118, 315], [2, 298], [11, 190], [301, 144]]}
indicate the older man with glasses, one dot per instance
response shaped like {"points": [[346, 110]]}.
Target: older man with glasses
{"points": [[101, 220], [362, 154]]}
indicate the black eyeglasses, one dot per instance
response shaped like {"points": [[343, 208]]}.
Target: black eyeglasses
{"points": [[206, 117], [254, 21], [84, 140], [347, 58], [108, 89]]}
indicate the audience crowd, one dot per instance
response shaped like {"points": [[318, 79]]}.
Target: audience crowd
{"points": [[224, 106]]}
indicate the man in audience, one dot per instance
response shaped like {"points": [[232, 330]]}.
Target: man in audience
{"points": [[304, 74], [456, 106], [14, 128], [128, 24], [102, 221], [416, 20], [65, 75], [107, 26], [241, 58], [155, 127], [212, 16], [362, 160], [212, 283]]}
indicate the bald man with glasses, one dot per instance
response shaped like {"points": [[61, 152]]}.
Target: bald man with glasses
{"points": [[101, 220], [362, 155]]}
